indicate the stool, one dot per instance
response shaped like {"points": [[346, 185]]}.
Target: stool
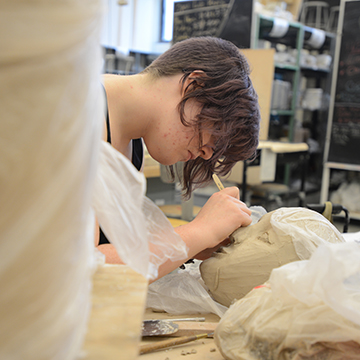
{"points": [[315, 14]]}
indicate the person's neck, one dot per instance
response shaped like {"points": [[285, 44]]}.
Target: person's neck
{"points": [[128, 106], [136, 103]]}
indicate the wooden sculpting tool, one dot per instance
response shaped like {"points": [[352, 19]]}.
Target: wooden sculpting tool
{"points": [[169, 343], [218, 182]]}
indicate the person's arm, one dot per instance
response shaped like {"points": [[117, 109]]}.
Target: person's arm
{"points": [[222, 214]]}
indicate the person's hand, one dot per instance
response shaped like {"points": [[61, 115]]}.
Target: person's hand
{"points": [[222, 214]]}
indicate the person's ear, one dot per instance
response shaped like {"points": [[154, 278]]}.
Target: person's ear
{"points": [[196, 74], [197, 78]]}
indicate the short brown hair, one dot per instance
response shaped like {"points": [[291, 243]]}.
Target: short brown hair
{"points": [[230, 109]]}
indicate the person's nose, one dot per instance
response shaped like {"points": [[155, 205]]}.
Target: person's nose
{"points": [[206, 152]]}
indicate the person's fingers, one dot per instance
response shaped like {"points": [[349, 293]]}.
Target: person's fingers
{"points": [[232, 191], [235, 194]]}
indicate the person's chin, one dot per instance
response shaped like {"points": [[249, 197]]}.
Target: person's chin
{"points": [[167, 163]]}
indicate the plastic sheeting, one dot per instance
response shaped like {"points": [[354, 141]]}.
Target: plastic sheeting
{"points": [[307, 228], [142, 235], [309, 309], [182, 293]]}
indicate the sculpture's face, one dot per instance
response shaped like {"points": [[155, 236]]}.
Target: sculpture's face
{"points": [[257, 249], [233, 271]]}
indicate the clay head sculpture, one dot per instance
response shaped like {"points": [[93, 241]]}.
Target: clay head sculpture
{"points": [[280, 237]]}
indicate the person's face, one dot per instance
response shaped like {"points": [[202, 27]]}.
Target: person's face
{"points": [[194, 143], [176, 142]]}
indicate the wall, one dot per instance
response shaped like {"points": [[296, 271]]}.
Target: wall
{"points": [[134, 27]]}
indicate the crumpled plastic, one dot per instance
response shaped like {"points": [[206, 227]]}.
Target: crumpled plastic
{"points": [[307, 232], [348, 195], [142, 235], [308, 309], [183, 292]]}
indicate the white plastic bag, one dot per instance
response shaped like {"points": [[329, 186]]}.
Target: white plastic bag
{"points": [[348, 195], [307, 228], [309, 309], [181, 294], [256, 213], [142, 235]]}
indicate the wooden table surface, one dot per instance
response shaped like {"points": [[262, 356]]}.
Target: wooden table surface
{"points": [[118, 303], [202, 349], [118, 309]]}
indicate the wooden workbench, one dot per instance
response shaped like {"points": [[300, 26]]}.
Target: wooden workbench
{"points": [[202, 349], [118, 308], [118, 303]]}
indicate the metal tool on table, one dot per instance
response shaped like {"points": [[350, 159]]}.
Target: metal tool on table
{"points": [[177, 327], [158, 327]]}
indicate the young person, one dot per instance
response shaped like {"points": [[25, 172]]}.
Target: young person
{"points": [[195, 104]]}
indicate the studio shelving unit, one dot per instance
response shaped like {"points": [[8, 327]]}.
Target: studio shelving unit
{"points": [[296, 37]]}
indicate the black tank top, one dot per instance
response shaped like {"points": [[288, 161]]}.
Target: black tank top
{"points": [[136, 159]]}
